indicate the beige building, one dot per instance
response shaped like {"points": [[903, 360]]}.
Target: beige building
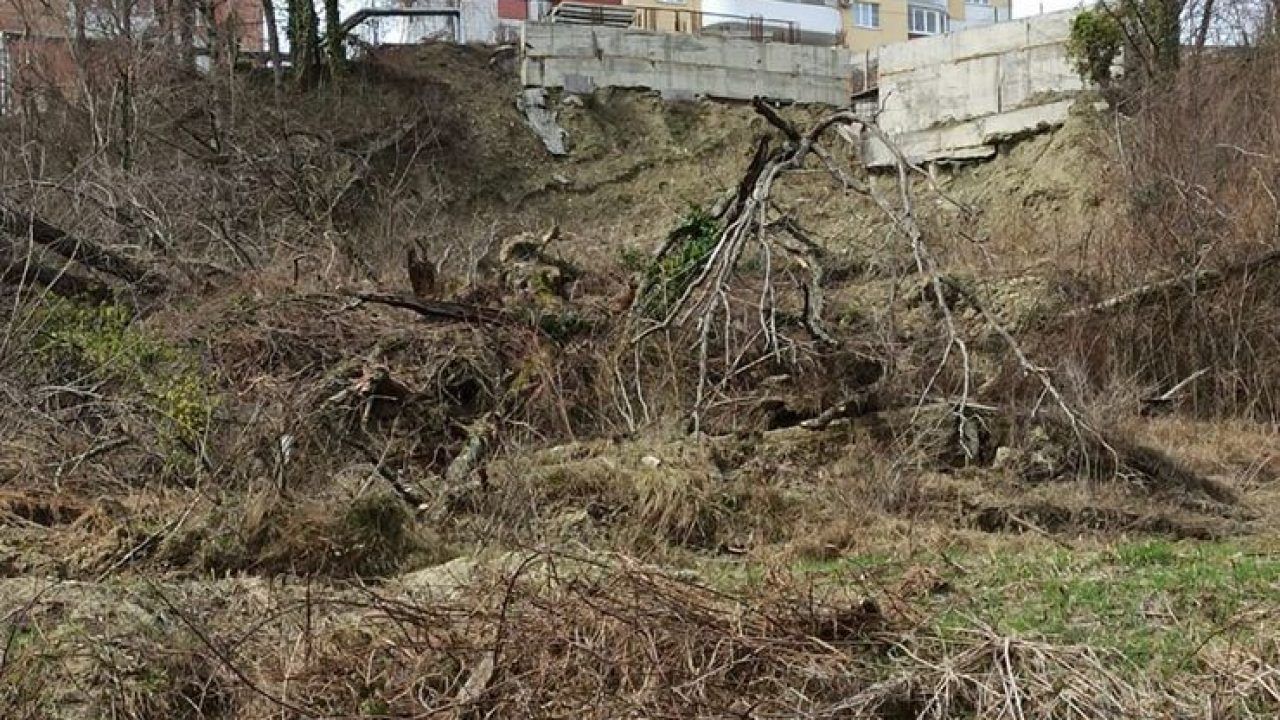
{"points": [[854, 24], [871, 24]]}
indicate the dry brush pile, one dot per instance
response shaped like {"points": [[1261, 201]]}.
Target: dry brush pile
{"points": [[544, 634], [236, 321]]}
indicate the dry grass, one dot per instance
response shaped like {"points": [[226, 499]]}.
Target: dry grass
{"points": [[554, 635]]}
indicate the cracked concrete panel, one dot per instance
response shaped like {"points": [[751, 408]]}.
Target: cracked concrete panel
{"points": [[730, 68], [953, 97]]}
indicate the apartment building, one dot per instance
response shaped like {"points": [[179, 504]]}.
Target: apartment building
{"points": [[856, 24], [37, 37], [871, 24]]}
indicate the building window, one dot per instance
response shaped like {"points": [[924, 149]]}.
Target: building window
{"points": [[926, 21], [977, 2], [866, 15]]}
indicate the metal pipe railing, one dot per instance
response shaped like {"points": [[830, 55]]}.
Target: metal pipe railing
{"points": [[697, 22]]}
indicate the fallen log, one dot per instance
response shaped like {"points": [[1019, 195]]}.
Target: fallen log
{"points": [[15, 269], [84, 251], [439, 309]]}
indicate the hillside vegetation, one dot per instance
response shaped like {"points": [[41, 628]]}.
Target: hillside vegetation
{"points": [[353, 401]]}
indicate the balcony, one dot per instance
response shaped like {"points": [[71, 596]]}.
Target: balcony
{"points": [[926, 18]]}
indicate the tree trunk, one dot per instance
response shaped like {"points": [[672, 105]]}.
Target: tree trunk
{"points": [[213, 33], [1206, 19], [1166, 18], [304, 41], [273, 46], [186, 32], [334, 55]]}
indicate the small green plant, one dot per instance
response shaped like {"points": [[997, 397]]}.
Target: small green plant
{"points": [[1095, 43], [633, 259], [103, 343], [669, 276]]}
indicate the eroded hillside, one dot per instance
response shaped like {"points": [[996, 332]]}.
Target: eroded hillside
{"points": [[397, 419]]}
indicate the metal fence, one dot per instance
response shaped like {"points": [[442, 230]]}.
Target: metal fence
{"points": [[696, 22]]}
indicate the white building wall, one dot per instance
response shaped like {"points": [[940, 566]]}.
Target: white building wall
{"points": [[479, 22], [583, 56]]}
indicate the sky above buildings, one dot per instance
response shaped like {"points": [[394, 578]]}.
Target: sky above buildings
{"points": [[1023, 8]]}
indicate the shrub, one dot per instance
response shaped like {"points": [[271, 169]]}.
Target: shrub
{"points": [[667, 278], [103, 343], [1095, 43]]}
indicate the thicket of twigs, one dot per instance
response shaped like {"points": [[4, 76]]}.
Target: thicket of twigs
{"points": [[212, 297], [255, 211], [1186, 279]]}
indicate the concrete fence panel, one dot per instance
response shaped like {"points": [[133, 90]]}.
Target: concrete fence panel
{"points": [[680, 65], [956, 96]]}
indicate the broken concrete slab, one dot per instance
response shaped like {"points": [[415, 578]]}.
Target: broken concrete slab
{"points": [[954, 97], [556, 55], [532, 102]]}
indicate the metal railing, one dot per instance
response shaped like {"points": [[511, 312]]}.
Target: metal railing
{"points": [[690, 22], [696, 22], [753, 27]]}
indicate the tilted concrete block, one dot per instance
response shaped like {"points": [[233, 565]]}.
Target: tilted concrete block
{"points": [[1025, 121]]}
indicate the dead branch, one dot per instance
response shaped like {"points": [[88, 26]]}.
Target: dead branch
{"points": [[1079, 426], [441, 310], [808, 255], [392, 477], [1151, 404], [744, 219], [227, 660], [705, 302], [1192, 283], [862, 403], [87, 252]]}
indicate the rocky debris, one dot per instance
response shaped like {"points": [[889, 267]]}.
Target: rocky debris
{"points": [[540, 118]]}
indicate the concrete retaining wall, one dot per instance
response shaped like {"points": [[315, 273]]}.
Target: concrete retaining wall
{"points": [[955, 96], [581, 57]]}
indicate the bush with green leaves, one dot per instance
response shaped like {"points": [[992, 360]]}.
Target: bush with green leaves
{"points": [[1095, 42], [102, 343], [669, 276]]}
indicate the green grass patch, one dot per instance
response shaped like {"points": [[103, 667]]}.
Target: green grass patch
{"points": [[1157, 602]]}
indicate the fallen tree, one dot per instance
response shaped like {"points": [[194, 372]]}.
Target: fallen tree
{"points": [[707, 312], [83, 250]]}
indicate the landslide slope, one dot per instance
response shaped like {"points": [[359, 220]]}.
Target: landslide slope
{"points": [[248, 494]]}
